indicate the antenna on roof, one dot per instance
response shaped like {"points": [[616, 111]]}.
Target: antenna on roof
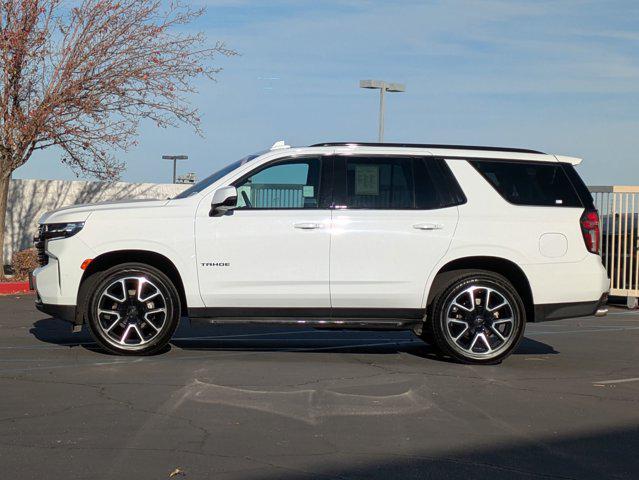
{"points": [[280, 144]]}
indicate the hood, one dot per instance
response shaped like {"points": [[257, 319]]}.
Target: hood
{"points": [[79, 213]]}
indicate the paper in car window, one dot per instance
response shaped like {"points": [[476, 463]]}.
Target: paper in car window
{"points": [[366, 180], [308, 191]]}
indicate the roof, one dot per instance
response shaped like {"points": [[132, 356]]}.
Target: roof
{"points": [[567, 159], [429, 145]]}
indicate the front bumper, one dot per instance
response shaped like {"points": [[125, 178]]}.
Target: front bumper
{"points": [[559, 311], [58, 281], [63, 312]]}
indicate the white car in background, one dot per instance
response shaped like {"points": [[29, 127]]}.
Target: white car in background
{"points": [[462, 245]]}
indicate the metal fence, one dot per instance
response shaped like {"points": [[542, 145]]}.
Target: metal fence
{"points": [[277, 195], [618, 208]]}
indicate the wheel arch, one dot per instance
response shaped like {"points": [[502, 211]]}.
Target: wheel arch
{"points": [[507, 268], [113, 258]]}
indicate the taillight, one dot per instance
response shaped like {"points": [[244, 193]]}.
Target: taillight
{"points": [[589, 222]]}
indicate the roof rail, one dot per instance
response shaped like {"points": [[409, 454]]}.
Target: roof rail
{"points": [[427, 145]]}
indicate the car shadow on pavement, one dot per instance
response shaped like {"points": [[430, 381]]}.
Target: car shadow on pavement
{"points": [[59, 332], [595, 455], [272, 339]]}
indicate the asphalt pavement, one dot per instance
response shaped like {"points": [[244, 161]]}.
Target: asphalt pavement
{"points": [[257, 402]]}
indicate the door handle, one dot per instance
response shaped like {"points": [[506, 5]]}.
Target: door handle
{"points": [[308, 226], [428, 226]]}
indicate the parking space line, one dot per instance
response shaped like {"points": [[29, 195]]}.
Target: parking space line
{"points": [[632, 312], [622, 380], [585, 330]]}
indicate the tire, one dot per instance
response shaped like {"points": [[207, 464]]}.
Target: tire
{"points": [[134, 309], [479, 318]]}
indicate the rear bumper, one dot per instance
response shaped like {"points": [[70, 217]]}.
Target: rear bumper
{"points": [[558, 311], [579, 282]]}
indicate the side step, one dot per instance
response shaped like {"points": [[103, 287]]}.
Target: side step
{"points": [[329, 323], [334, 318]]}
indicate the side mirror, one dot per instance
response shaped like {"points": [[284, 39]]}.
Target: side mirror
{"points": [[224, 199]]}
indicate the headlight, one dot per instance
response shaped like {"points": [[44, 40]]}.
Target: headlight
{"points": [[61, 230]]}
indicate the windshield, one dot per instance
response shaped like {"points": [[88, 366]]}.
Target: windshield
{"points": [[211, 179]]}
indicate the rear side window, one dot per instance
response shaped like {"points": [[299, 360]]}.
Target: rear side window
{"points": [[395, 183], [379, 183], [521, 183], [580, 186], [435, 185]]}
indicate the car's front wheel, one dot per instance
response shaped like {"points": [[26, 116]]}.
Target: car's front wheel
{"points": [[134, 310], [479, 318]]}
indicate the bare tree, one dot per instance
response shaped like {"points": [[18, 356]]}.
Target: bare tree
{"points": [[82, 78]]}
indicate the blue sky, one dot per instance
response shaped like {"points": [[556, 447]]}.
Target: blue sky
{"points": [[559, 76]]}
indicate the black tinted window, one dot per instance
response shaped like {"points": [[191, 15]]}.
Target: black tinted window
{"points": [[580, 186], [398, 183], [435, 185], [379, 183], [521, 183]]}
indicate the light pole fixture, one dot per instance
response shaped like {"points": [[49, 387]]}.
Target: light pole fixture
{"points": [[175, 158], [383, 87]]}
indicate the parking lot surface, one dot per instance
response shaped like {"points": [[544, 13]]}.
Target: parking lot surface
{"points": [[294, 403]]}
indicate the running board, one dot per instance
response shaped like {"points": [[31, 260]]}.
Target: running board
{"points": [[329, 323], [346, 318]]}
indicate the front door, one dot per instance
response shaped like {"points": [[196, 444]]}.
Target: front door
{"points": [[393, 221], [272, 251]]}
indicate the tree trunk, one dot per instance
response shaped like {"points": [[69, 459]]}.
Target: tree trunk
{"points": [[4, 194]]}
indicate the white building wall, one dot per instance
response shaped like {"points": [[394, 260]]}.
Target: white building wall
{"points": [[29, 199]]}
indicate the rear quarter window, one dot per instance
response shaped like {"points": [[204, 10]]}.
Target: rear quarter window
{"points": [[580, 186], [529, 183]]}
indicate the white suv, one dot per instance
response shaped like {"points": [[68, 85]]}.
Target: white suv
{"points": [[463, 245]]}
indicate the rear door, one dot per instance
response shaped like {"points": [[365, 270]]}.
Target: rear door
{"points": [[393, 220]]}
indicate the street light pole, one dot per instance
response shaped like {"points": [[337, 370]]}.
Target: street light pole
{"points": [[383, 87], [382, 107], [175, 158]]}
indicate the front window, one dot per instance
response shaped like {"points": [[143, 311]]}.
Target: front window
{"points": [[211, 179], [290, 183]]}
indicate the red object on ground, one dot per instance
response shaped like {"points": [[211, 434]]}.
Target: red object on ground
{"points": [[10, 288]]}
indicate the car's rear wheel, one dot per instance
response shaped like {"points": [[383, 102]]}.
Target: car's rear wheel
{"points": [[134, 310], [479, 318]]}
